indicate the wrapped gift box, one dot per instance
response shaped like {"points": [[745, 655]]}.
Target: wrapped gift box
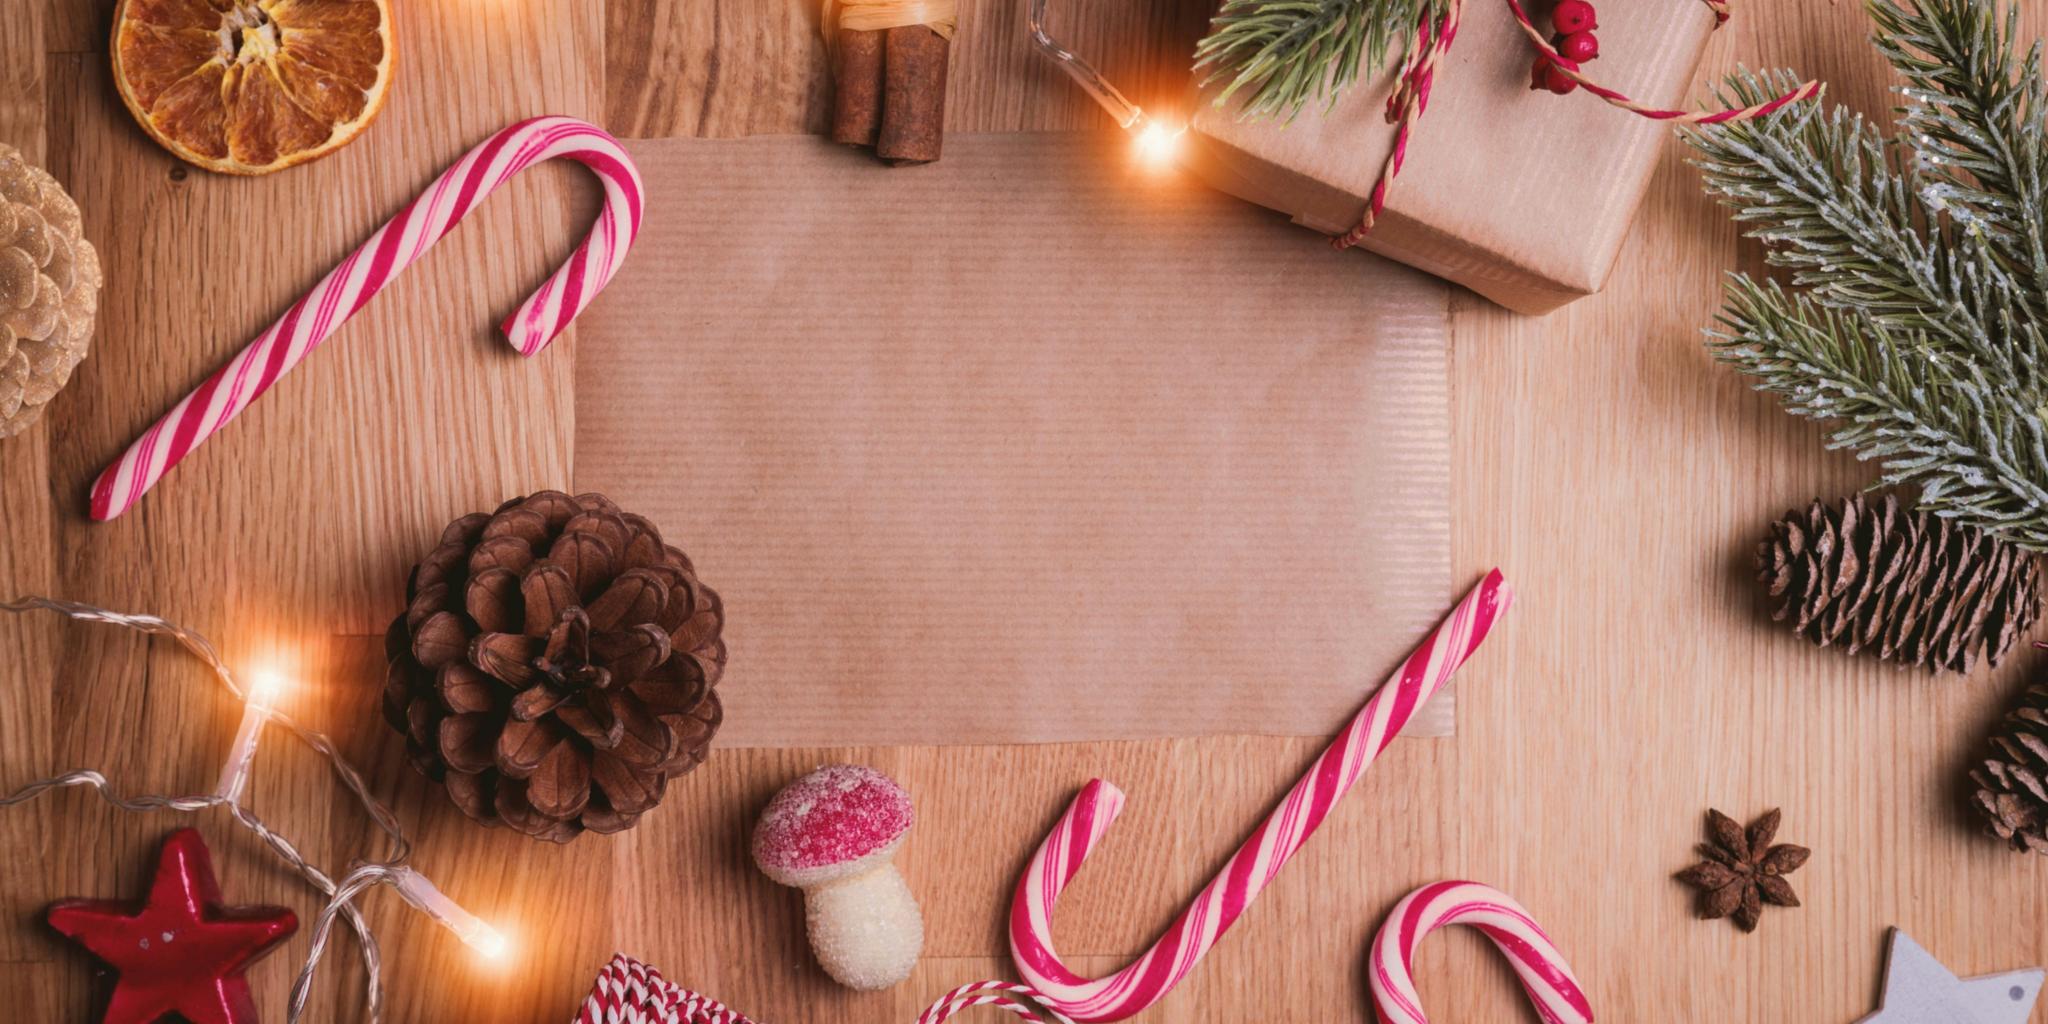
{"points": [[1522, 196]]}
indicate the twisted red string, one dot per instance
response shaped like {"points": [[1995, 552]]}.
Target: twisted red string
{"points": [[1411, 97], [1405, 107]]}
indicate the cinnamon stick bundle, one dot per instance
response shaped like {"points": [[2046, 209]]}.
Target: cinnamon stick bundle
{"points": [[890, 84]]}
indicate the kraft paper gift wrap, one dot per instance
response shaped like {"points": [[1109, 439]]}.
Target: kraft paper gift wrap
{"points": [[1028, 445], [1524, 197]]}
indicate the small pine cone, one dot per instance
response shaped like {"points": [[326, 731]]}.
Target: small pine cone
{"points": [[49, 290], [1916, 588], [2012, 779], [555, 666]]}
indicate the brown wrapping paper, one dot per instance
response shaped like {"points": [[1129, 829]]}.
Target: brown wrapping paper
{"points": [[1524, 197], [1028, 445]]}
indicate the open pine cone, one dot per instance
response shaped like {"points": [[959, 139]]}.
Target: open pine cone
{"points": [[555, 665], [2011, 781], [1916, 588], [49, 290]]}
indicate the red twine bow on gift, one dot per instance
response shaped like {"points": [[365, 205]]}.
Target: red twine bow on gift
{"points": [[1433, 40]]}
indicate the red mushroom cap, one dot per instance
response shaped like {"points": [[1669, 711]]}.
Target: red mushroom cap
{"points": [[838, 821]]}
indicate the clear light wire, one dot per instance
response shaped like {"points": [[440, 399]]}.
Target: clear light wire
{"points": [[392, 871], [1126, 114]]}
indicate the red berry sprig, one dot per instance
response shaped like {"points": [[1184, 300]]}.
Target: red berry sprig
{"points": [[1575, 21], [1574, 16]]}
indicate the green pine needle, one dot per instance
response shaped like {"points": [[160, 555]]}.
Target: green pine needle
{"points": [[1915, 263], [1283, 54]]}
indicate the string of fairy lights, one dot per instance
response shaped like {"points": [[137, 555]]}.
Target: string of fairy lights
{"points": [[260, 698]]}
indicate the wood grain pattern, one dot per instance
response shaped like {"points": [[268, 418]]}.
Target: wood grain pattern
{"points": [[1615, 473]]}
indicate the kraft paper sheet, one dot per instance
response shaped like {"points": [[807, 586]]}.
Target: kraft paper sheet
{"points": [[1029, 445]]}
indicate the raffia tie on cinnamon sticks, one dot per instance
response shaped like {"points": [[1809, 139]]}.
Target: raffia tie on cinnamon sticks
{"points": [[889, 62]]}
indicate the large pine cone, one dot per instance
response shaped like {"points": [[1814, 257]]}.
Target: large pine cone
{"points": [[1917, 588], [2012, 779], [555, 665], [49, 290]]}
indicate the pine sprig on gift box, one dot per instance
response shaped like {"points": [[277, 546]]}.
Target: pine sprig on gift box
{"points": [[1282, 54], [1913, 319]]}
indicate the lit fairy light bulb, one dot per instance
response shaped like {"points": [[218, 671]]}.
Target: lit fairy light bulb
{"points": [[1157, 145], [420, 891], [265, 687]]}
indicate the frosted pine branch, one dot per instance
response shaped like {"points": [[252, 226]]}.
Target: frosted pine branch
{"points": [[1975, 450], [1974, 117], [1917, 264]]}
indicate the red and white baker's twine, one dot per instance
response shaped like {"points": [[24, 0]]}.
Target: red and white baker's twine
{"points": [[1433, 40], [394, 247], [630, 992], [1256, 863], [1545, 975]]}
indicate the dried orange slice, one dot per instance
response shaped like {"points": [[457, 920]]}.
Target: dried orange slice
{"points": [[253, 86]]}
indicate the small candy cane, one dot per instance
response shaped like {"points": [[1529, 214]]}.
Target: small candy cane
{"points": [[1256, 862], [1016, 999], [367, 270], [1545, 975]]}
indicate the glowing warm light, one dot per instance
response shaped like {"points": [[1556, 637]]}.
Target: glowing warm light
{"points": [[265, 687], [1157, 144], [489, 943], [420, 891]]}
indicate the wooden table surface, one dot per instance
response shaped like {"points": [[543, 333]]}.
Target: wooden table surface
{"points": [[1617, 474]]}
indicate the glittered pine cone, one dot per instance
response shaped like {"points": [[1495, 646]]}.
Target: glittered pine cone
{"points": [[49, 290], [555, 665], [1911, 586], [2010, 783]]}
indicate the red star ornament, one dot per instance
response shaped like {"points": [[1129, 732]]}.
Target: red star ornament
{"points": [[181, 953]]}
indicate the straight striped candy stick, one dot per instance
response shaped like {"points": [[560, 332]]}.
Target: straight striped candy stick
{"points": [[1545, 975], [394, 247], [1255, 864]]}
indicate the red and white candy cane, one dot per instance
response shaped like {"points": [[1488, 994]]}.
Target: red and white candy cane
{"points": [[1018, 1000], [1256, 862], [367, 270], [1545, 975]]}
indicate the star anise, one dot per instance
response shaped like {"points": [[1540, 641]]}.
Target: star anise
{"points": [[1742, 870]]}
